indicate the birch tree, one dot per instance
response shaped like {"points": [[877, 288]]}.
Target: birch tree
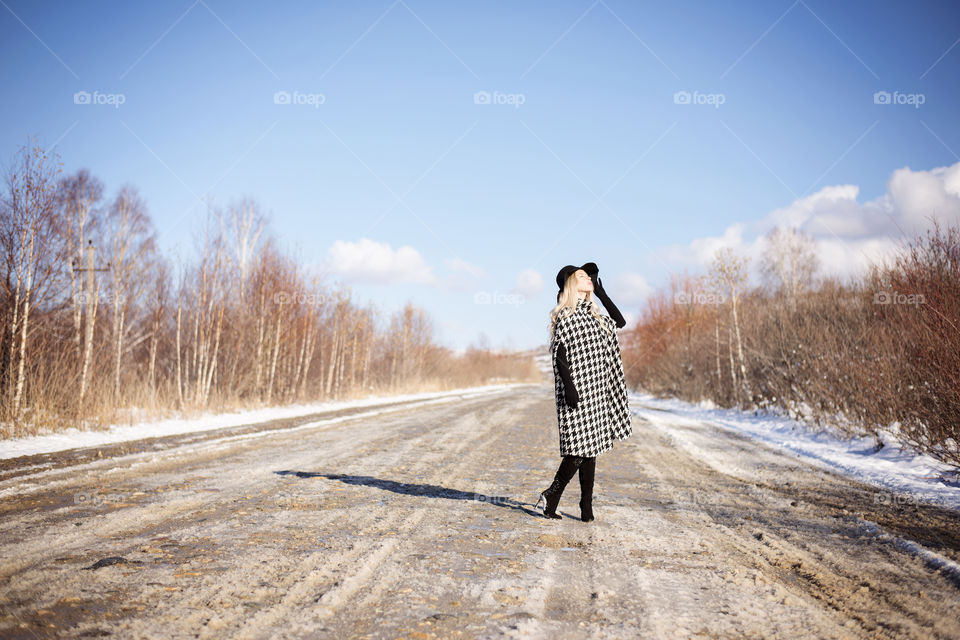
{"points": [[33, 258], [79, 196], [133, 251], [789, 262], [728, 272]]}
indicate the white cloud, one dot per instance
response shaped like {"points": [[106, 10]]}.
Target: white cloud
{"points": [[367, 261], [830, 211], [700, 250], [632, 289], [912, 198], [851, 257], [371, 262], [529, 282], [849, 236]]}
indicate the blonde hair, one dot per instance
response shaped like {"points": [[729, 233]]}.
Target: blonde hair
{"points": [[568, 302]]}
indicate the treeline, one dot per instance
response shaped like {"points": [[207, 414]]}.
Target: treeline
{"points": [[878, 352], [96, 321]]}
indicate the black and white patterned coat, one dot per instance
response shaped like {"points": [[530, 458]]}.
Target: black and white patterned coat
{"points": [[602, 414]]}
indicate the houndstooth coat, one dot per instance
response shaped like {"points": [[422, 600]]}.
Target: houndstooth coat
{"points": [[603, 414]]}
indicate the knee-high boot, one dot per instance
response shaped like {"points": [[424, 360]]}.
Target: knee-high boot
{"points": [[587, 470], [551, 496]]}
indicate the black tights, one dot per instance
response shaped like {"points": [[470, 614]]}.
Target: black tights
{"points": [[586, 466]]}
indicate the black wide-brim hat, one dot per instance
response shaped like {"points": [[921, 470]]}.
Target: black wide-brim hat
{"points": [[563, 274]]}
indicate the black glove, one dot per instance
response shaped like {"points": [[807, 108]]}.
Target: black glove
{"points": [[563, 367], [607, 302]]}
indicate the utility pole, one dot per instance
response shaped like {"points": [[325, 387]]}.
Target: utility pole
{"points": [[88, 296]]}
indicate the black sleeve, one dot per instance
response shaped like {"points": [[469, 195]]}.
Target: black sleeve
{"points": [[563, 367], [610, 307]]}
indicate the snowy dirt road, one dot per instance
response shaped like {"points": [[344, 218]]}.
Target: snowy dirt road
{"points": [[419, 523]]}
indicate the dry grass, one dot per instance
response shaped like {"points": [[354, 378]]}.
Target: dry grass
{"points": [[876, 354]]}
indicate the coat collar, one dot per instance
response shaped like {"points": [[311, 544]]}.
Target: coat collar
{"points": [[583, 304]]}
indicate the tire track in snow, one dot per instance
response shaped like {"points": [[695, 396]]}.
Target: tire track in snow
{"points": [[288, 577], [23, 552], [795, 548], [748, 543], [302, 613]]}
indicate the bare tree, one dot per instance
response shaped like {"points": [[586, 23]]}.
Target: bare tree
{"points": [[249, 323], [157, 309], [33, 255], [789, 262], [410, 332], [78, 196], [728, 273], [133, 251], [90, 291], [338, 324], [200, 312], [242, 226]]}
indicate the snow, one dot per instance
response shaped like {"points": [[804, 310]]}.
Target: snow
{"points": [[422, 522], [937, 562], [75, 438], [910, 477]]}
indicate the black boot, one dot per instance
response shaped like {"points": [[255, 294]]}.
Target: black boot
{"points": [[551, 496], [587, 470]]}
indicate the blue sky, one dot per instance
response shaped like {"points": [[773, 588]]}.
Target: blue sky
{"points": [[389, 164]]}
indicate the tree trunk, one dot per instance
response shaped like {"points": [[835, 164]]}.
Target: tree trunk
{"points": [[152, 367], [333, 361], [309, 358], [179, 374], [118, 351], [717, 343], [88, 326], [276, 351], [743, 368], [733, 371], [18, 393], [213, 360]]}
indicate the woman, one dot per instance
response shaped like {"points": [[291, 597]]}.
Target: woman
{"points": [[591, 395]]}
